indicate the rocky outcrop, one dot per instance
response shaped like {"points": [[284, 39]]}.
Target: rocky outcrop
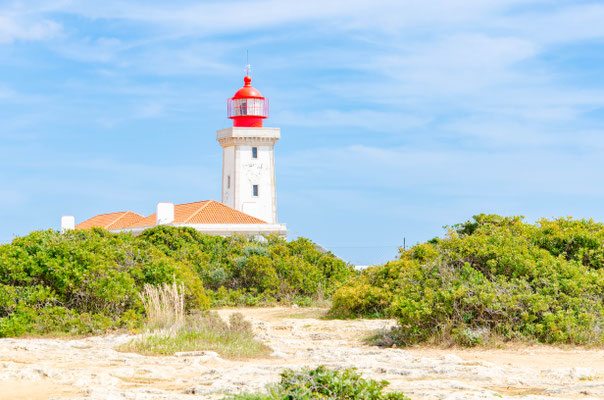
{"points": [[91, 368]]}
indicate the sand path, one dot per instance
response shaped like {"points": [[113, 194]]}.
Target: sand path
{"points": [[90, 368]]}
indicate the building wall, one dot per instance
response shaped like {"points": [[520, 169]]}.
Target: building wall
{"points": [[246, 171], [228, 174], [256, 171], [223, 229]]}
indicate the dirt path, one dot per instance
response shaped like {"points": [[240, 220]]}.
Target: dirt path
{"points": [[91, 369]]}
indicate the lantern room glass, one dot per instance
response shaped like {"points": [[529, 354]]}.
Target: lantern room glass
{"points": [[248, 107]]}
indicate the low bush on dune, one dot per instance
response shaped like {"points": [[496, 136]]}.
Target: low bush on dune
{"points": [[243, 271], [322, 383], [490, 279], [86, 282], [81, 282]]}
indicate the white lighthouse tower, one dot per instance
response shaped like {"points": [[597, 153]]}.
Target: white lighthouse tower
{"points": [[248, 161]]}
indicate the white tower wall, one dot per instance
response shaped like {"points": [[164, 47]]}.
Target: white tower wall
{"points": [[228, 176], [241, 171]]}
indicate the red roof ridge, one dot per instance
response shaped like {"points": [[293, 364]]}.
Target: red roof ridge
{"points": [[204, 205], [121, 215], [191, 202], [139, 224], [115, 212], [103, 220]]}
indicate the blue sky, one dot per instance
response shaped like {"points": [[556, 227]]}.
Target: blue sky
{"points": [[397, 117]]}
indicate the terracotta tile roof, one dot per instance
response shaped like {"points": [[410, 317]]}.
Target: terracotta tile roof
{"points": [[151, 220], [214, 212], [202, 212], [117, 220]]}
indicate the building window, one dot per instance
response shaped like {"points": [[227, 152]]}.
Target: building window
{"points": [[254, 152], [229, 182], [255, 190], [243, 107]]}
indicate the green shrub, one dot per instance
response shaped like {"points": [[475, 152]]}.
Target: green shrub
{"points": [[54, 320], [492, 278], [322, 383], [360, 299], [94, 276], [244, 271]]}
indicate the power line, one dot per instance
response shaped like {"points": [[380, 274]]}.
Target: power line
{"points": [[364, 247]]}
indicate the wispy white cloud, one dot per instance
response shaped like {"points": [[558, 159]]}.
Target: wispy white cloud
{"points": [[216, 16], [446, 171], [6, 93], [556, 24], [11, 198], [457, 64], [15, 27], [91, 185], [366, 119], [99, 50]]}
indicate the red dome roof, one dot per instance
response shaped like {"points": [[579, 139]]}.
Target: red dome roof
{"points": [[247, 90], [247, 108]]}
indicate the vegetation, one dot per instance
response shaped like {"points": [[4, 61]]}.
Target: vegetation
{"points": [[490, 279], [169, 330], [164, 305], [84, 282], [321, 383], [206, 331]]}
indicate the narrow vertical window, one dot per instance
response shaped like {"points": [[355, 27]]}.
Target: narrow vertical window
{"points": [[255, 190], [243, 107], [229, 182], [254, 152]]}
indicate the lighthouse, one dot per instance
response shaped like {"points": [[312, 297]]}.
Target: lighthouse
{"points": [[249, 199], [248, 159]]}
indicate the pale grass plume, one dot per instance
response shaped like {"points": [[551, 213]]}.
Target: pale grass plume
{"points": [[169, 330], [201, 332], [164, 305]]}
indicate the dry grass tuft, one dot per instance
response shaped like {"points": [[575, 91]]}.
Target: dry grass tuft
{"points": [[170, 331], [232, 340], [164, 305]]}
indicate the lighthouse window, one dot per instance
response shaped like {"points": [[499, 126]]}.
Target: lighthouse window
{"points": [[255, 190], [243, 107], [229, 182], [254, 152]]}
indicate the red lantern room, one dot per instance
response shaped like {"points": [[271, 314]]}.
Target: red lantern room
{"points": [[247, 108]]}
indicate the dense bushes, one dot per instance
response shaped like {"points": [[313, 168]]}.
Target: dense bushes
{"points": [[322, 383], [492, 278], [239, 270], [88, 281]]}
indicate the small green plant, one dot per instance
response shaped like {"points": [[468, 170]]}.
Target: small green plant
{"points": [[322, 383]]}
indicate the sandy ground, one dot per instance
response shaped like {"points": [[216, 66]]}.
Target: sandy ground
{"points": [[91, 368]]}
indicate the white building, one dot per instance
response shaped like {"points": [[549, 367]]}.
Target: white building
{"points": [[249, 199], [248, 170]]}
